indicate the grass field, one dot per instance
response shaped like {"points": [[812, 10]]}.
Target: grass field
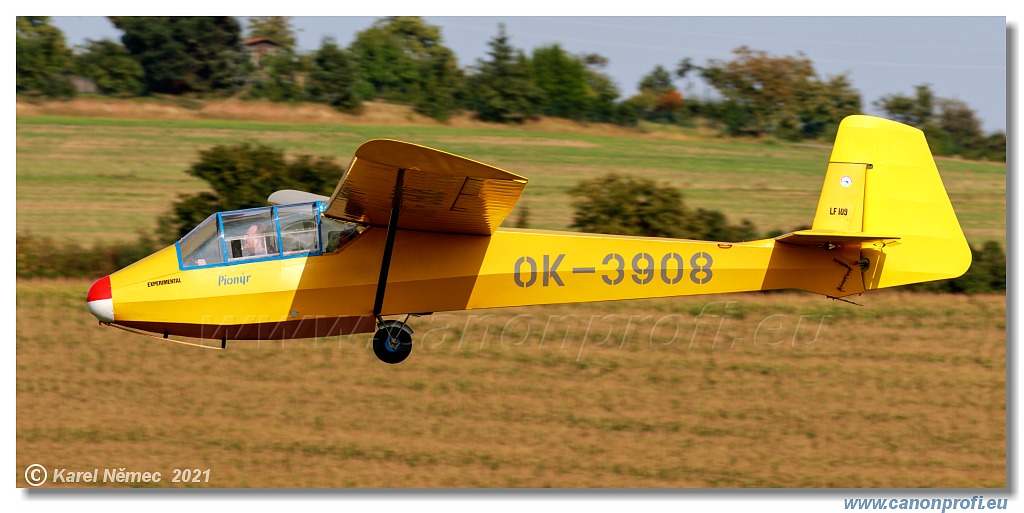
{"points": [[118, 175], [772, 390], [756, 390]]}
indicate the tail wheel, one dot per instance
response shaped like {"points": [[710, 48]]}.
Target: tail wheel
{"points": [[392, 344]]}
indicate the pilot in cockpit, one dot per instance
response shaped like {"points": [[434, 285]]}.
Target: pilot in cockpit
{"points": [[254, 243]]}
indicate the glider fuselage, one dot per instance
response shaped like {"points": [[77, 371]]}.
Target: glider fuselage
{"points": [[333, 293]]}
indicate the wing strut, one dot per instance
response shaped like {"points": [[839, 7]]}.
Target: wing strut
{"points": [[389, 244]]}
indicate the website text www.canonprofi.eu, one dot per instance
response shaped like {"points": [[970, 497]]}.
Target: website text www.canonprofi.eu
{"points": [[712, 326], [974, 503]]}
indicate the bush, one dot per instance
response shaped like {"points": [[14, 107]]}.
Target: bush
{"points": [[243, 176], [987, 274], [42, 257], [626, 205]]}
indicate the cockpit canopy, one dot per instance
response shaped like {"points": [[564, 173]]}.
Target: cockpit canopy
{"points": [[253, 234]]}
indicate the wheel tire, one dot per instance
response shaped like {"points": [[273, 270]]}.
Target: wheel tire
{"points": [[386, 349]]}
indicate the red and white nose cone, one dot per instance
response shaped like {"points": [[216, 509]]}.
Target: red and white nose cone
{"points": [[100, 300]]}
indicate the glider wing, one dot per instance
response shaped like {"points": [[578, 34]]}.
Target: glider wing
{"points": [[439, 191]]}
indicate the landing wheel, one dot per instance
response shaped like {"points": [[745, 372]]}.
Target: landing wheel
{"points": [[392, 344]]}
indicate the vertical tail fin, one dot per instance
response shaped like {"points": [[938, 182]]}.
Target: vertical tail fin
{"points": [[883, 191]]}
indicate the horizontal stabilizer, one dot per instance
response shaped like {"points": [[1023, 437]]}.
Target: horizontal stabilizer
{"points": [[834, 238]]}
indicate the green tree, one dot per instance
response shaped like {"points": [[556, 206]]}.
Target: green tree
{"points": [[760, 90], [959, 121], [333, 77], [595, 61], [275, 28], [279, 77], [243, 176], [108, 64], [658, 99], [631, 110], [993, 147], [915, 111], [502, 88], [824, 104], [387, 62], [186, 54], [951, 126], [685, 67], [403, 58], [602, 92], [279, 80], [563, 80], [657, 82], [777, 95], [441, 87], [43, 59]]}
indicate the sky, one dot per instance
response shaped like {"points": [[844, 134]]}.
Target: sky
{"points": [[959, 57]]}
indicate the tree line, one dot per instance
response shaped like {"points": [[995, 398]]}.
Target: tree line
{"points": [[404, 59]]}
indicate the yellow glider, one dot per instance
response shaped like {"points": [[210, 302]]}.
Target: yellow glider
{"points": [[414, 230]]}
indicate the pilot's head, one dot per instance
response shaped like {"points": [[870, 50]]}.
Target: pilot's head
{"points": [[254, 243]]}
